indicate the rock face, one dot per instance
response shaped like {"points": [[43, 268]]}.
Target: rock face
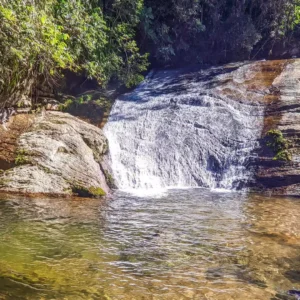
{"points": [[58, 154], [282, 177], [8, 138]]}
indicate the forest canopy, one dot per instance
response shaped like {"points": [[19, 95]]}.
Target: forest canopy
{"points": [[118, 39]]}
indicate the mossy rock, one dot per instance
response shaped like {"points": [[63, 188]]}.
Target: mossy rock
{"points": [[94, 192], [110, 180], [3, 182], [284, 155], [279, 145], [22, 157]]}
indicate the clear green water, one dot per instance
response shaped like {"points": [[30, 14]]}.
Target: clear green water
{"points": [[188, 244]]}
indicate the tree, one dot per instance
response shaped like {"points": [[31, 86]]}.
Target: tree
{"points": [[39, 39]]}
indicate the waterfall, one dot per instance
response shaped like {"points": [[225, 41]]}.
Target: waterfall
{"points": [[186, 128]]}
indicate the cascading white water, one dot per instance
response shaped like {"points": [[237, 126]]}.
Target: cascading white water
{"points": [[184, 128]]}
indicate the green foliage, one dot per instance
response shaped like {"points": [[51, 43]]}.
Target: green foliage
{"points": [[180, 31], [276, 140], [38, 39], [279, 145], [76, 103], [296, 16], [172, 27], [66, 105], [101, 39], [284, 155]]}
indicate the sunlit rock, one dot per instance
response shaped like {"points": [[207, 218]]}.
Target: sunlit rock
{"points": [[58, 154]]}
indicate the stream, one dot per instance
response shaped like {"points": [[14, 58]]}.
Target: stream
{"points": [[180, 244]]}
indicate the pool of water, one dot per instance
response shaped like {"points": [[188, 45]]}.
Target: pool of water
{"points": [[184, 244]]}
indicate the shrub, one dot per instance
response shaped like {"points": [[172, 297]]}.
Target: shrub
{"points": [[279, 145], [38, 39]]}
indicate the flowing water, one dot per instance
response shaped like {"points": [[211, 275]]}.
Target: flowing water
{"points": [[183, 128], [187, 128], [184, 244]]}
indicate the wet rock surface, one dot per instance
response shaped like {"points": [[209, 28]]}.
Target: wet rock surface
{"points": [[226, 111], [208, 128], [282, 177], [58, 154]]}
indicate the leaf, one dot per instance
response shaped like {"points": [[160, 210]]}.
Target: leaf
{"points": [[43, 19]]}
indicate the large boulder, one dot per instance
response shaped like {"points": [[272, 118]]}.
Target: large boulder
{"points": [[59, 154]]}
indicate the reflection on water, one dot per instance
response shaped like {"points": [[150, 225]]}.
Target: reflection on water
{"points": [[188, 244]]}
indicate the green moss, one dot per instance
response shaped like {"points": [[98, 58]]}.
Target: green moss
{"points": [[22, 157], [97, 192], [45, 169], [3, 182], [284, 155], [276, 141], [279, 145], [94, 192], [66, 105], [109, 179]]}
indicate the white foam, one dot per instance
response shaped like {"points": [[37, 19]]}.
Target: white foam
{"points": [[205, 139]]}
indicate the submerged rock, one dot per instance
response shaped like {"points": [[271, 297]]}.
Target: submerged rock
{"points": [[58, 154]]}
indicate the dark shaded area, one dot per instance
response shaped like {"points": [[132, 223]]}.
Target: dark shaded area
{"points": [[7, 284], [279, 181], [180, 32], [6, 165], [294, 292], [214, 165], [293, 276], [91, 112], [283, 297]]}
